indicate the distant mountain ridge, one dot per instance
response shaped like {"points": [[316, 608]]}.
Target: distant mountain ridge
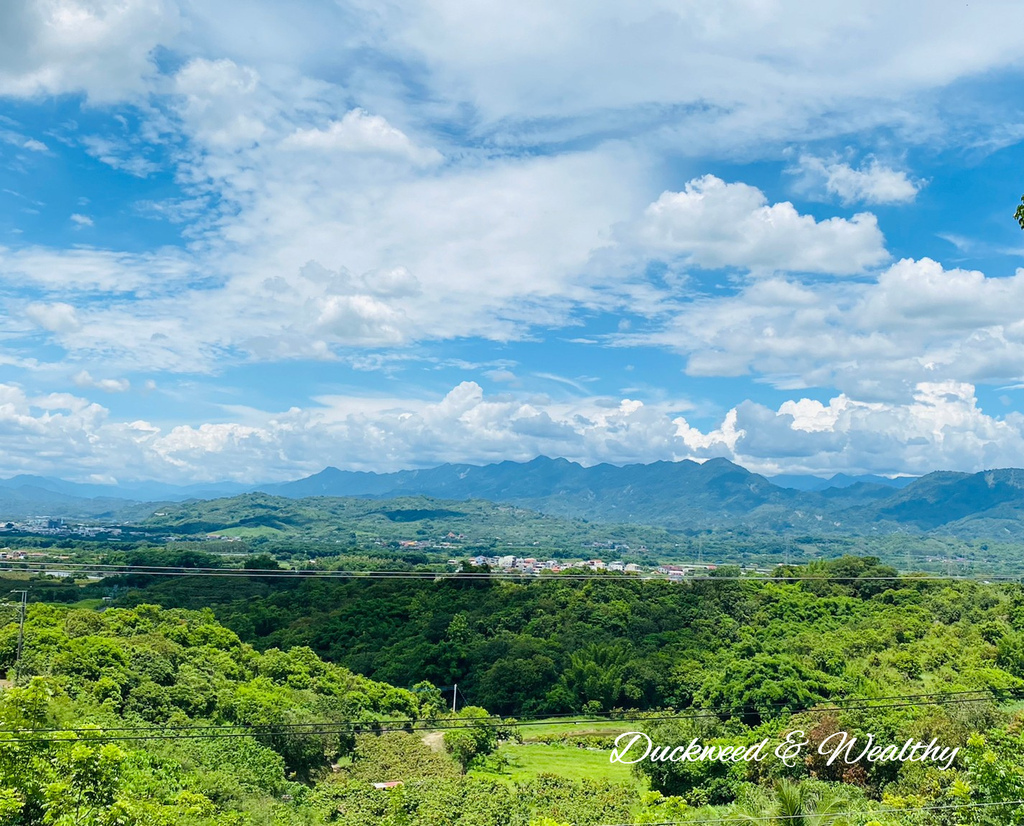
{"points": [[839, 480], [26, 496], [683, 495], [717, 492]]}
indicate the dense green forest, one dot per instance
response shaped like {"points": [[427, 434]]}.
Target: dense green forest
{"points": [[326, 687], [531, 647]]}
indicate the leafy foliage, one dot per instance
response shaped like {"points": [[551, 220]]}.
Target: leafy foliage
{"points": [[265, 660]]}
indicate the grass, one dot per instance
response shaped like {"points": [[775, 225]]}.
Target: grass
{"points": [[574, 725], [252, 532], [528, 760]]}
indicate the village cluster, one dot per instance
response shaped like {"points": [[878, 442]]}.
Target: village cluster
{"points": [[529, 565]]}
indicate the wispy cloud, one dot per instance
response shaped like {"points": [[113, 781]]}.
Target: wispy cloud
{"points": [[871, 183]]}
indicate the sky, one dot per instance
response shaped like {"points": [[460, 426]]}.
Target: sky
{"points": [[245, 241]]}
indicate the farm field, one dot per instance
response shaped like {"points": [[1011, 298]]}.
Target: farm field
{"points": [[528, 760]]}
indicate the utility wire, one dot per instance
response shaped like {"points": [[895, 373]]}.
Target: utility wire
{"points": [[106, 570], [886, 701], [937, 698], [322, 728]]}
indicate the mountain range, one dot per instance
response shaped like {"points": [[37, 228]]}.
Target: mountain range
{"points": [[716, 493], [674, 495]]}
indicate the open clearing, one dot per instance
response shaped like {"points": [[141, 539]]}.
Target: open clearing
{"points": [[531, 759]]}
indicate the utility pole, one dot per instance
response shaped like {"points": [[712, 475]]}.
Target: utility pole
{"points": [[21, 635], [455, 693]]}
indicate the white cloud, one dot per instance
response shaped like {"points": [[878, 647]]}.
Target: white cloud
{"points": [[57, 318], [71, 436], [85, 380], [872, 183], [409, 187], [89, 269], [81, 220], [35, 146], [714, 224], [495, 251], [223, 105], [359, 318], [119, 154], [359, 131], [766, 69], [940, 428], [99, 47], [917, 322]]}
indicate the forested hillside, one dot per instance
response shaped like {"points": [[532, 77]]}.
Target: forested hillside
{"points": [[113, 724], [528, 647]]}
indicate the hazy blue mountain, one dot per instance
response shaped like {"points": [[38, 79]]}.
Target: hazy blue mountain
{"points": [[717, 493], [674, 495], [132, 491], [839, 480], [29, 501]]}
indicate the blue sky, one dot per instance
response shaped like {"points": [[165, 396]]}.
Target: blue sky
{"points": [[246, 241]]}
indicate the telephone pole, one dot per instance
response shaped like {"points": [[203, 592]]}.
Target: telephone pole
{"points": [[21, 635]]}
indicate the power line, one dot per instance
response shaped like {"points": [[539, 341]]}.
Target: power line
{"points": [[108, 570], [21, 634], [888, 701], [323, 728]]}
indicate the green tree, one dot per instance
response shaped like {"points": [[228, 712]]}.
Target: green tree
{"points": [[86, 791], [797, 804], [994, 773], [595, 675], [475, 735]]}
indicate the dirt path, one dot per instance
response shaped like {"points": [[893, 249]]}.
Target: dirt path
{"points": [[434, 739]]}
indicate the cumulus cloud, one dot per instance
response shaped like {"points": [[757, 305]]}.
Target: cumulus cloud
{"points": [[941, 427], [221, 103], [359, 318], [85, 380], [872, 183], [917, 322], [424, 258], [72, 436], [81, 220], [713, 224], [360, 132]]}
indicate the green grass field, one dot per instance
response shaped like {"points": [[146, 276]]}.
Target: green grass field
{"points": [[253, 532], [574, 725], [528, 760]]}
